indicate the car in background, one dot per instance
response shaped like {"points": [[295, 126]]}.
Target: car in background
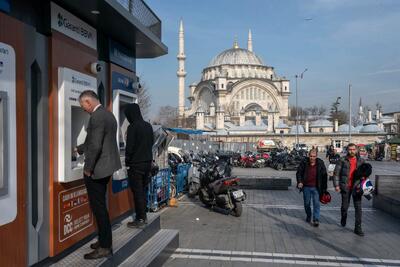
{"points": [[301, 147]]}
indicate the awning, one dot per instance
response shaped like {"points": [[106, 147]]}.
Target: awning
{"points": [[184, 131]]}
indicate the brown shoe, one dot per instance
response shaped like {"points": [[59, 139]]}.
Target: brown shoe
{"points": [[137, 224], [95, 245], [98, 253]]}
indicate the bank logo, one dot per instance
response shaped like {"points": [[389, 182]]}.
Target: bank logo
{"points": [[60, 20], [69, 25], [68, 218]]}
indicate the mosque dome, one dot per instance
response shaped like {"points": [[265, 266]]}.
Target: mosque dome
{"points": [[282, 125], [344, 128], [293, 129], [321, 123], [370, 128], [236, 56]]}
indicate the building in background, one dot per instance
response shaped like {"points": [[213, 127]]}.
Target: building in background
{"points": [[237, 91]]}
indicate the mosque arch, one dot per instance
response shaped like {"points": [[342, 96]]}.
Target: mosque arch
{"points": [[267, 93]]}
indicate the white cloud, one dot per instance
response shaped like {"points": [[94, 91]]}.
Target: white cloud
{"points": [[383, 72]]}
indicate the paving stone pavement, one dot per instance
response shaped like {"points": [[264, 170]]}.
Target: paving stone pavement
{"points": [[274, 222]]}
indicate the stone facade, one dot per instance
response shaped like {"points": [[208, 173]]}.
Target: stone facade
{"points": [[237, 84], [310, 139]]}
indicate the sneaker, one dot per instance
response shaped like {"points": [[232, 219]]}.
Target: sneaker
{"points": [[343, 222], [137, 224], [316, 223], [308, 219], [358, 231]]}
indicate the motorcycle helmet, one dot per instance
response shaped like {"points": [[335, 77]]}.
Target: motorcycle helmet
{"points": [[325, 197], [367, 188], [364, 188]]}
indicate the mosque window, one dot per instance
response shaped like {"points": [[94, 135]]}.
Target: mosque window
{"points": [[252, 93], [247, 94], [285, 88], [242, 95], [222, 86], [271, 76], [321, 130], [263, 95]]}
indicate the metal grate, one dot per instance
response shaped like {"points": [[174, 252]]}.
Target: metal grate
{"points": [[140, 10]]}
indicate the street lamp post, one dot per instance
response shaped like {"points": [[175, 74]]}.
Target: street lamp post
{"points": [[297, 109], [349, 113]]}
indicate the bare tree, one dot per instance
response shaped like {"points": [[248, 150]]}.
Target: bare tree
{"points": [[316, 111], [167, 116], [303, 113], [144, 100], [321, 110]]}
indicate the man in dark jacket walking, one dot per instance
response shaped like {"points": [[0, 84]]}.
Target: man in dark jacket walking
{"points": [[344, 180], [138, 159], [101, 161], [312, 179]]}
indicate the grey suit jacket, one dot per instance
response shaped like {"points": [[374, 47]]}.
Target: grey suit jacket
{"points": [[102, 157]]}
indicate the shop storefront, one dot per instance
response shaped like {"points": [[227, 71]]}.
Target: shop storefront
{"points": [[48, 56]]}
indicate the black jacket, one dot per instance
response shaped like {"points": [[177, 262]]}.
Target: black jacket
{"points": [[140, 138], [322, 176], [342, 171]]}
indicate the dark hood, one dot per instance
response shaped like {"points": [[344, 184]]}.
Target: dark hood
{"points": [[132, 113]]}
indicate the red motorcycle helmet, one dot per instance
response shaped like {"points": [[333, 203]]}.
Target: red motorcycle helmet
{"points": [[325, 198]]}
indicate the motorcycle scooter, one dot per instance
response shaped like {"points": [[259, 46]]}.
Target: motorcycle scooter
{"points": [[217, 192]]}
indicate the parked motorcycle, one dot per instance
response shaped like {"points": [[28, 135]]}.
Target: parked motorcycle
{"points": [[194, 178], [223, 194]]}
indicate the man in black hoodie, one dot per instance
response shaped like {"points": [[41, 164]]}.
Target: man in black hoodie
{"points": [[138, 158]]}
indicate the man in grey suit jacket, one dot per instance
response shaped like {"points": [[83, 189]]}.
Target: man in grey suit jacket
{"points": [[101, 161]]}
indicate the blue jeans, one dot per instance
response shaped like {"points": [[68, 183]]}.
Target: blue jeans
{"points": [[308, 194]]}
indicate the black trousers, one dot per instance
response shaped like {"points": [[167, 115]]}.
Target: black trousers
{"points": [[139, 178], [346, 195], [97, 189]]}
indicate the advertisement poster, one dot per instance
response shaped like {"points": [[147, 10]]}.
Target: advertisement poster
{"points": [[74, 212]]}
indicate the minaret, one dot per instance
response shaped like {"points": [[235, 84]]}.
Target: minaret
{"points": [[181, 74], [360, 111], [250, 42], [235, 43]]}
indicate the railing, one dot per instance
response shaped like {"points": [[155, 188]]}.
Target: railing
{"points": [[140, 10]]}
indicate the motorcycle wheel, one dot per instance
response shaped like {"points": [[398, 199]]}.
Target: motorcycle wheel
{"points": [[192, 192], [201, 197], [237, 210], [279, 166]]}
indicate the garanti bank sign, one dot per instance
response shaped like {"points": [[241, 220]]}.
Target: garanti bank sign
{"points": [[66, 23]]}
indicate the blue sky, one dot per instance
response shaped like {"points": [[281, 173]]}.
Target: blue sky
{"points": [[347, 41]]}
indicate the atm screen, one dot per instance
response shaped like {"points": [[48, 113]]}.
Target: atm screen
{"points": [[123, 127], [3, 144], [79, 122]]}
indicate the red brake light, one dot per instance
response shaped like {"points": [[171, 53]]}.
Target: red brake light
{"points": [[231, 181]]}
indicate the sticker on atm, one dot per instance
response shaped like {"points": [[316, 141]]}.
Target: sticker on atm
{"points": [[74, 212]]}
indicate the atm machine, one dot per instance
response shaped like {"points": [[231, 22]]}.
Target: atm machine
{"points": [[120, 99], [122, 94], [72, 122], [8, 134]]}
